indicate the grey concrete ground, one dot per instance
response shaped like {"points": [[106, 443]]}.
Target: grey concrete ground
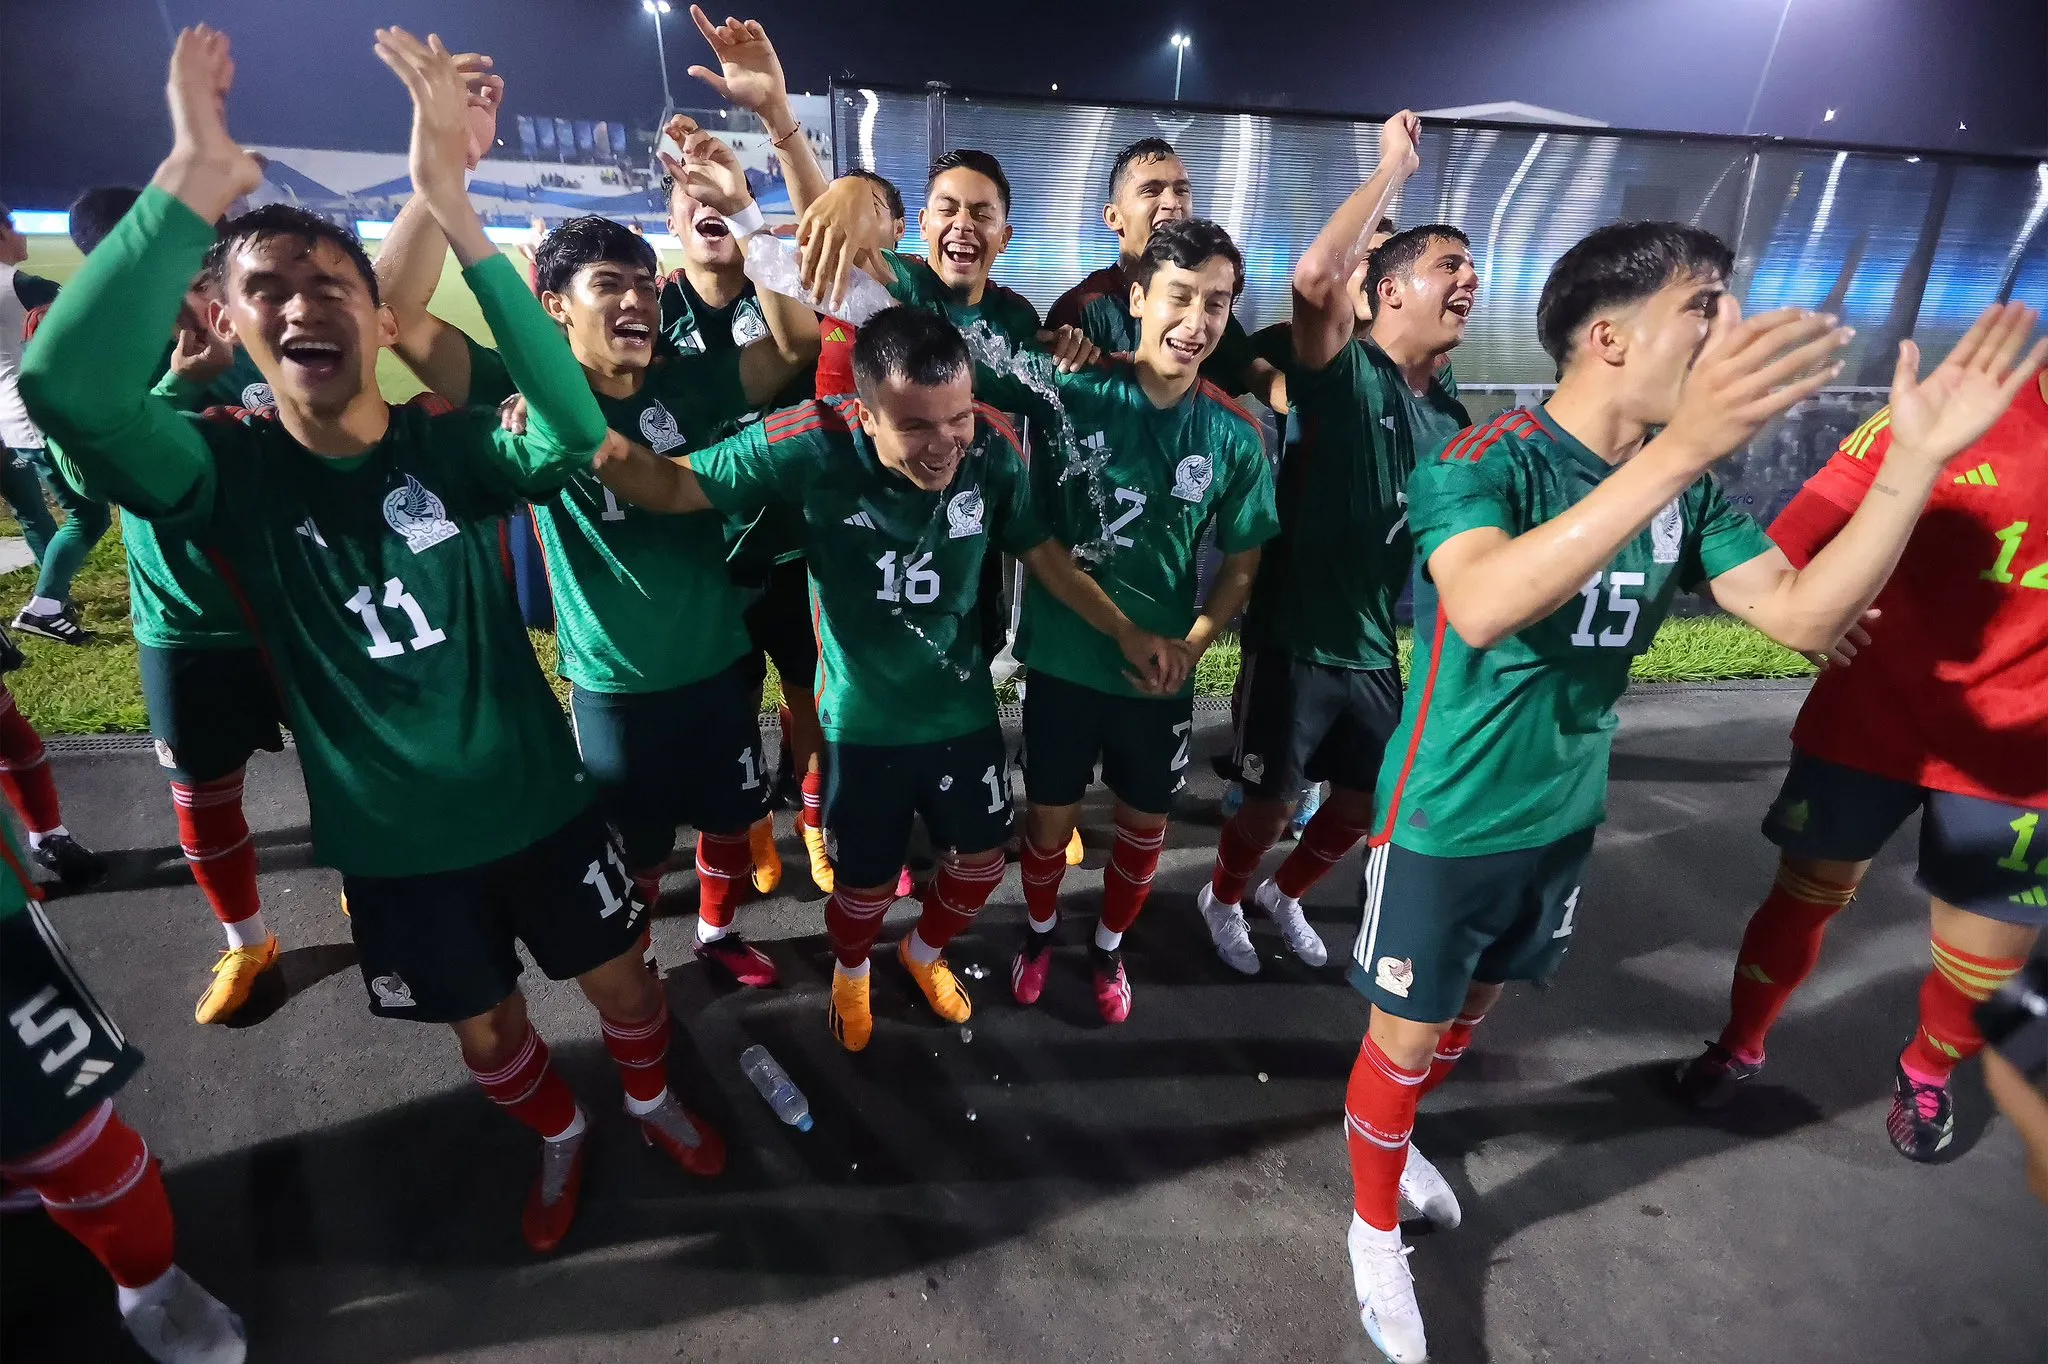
{"points": [[1039, 1187]]}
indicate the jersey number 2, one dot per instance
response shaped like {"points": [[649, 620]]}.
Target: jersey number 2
{"points": [[396, 598]]}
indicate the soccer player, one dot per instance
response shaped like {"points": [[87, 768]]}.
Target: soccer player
{"points": [[1550, 543], [443, 782], [21, 443], [32, 791], [1159, 455], [904, 490], [1321, 684], [61, 1062], [835, 353], [1944, 712]]}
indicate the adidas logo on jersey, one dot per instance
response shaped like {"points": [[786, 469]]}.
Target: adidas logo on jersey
{"points": [[861, 519], [1979, 477], [312, 532], [418, 515], [2035, 895]]}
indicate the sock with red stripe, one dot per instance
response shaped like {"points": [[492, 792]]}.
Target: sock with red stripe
{"points": [[1779, 950], [1042, 870], [1237, 857], [1379, 1117], [814, 799], [640, 1051], [1949, 996], [25, 771], [853, 919], [1323, 844], [951, 901], [1450, 1049], [530, 1088], [721, 858], [648, 883], [214, 835], [98, 1182], [1127, 883]]}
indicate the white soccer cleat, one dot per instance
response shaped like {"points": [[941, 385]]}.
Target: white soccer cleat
{"points": [[1301, 936], [1226, 929], [178, 1322], [1386, 1293], [1428, 1193]]}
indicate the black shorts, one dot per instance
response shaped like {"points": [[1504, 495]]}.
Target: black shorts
{"points": [[442, 947], [1434, 925], [209, 709], [779, 624], [1300, 723], [1978, 855], [689, 755], [961, 787], [1141, 742], [61, 1056]]}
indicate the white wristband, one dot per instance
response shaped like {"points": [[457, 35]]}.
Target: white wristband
{"points": [[747, 222]]}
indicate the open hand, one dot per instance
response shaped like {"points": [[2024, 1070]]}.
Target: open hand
{"points": [[749, 74], [1070, 348], [202, 72], [1936, 418], [710, 172], [1748, 372], [486, 96], [440, 111], [849, 223], [1844, 650]]}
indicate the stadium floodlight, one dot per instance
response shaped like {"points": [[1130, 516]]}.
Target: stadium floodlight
{"points": [[658, 8], [1181, 44], [1828, 117]]}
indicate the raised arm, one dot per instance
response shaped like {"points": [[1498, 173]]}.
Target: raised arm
{"points": [[750, 76], [1323, 320]]}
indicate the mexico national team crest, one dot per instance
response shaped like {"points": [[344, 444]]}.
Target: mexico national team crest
{"points": [[258, 396], [1192, 477], [748, 325], [1667, 534], [658, 424], [1395, 975], [418, 515], [963, 515], [392, 992]]}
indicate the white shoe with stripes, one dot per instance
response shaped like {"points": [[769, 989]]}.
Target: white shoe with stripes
{"points": [[1226, 929], [1427, 1192], [1300, 935], [1386, 1293]]}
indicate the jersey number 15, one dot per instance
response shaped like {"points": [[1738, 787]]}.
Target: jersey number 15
{"points": [[1620, 631]]}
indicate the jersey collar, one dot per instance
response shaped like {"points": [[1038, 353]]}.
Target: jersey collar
{"points": [[1570, 444]]}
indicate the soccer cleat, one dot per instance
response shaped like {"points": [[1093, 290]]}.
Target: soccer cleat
{"points": [[1226, 929], [344, 906], [821, 865], [1112, 986], [70, 861], [851, 1019], [1923, 1117], [1075, 852], [1032, 965], [551, 1202], [767, 860], [906, 886], [1301, 936], [1386, 1293], [740, 959], [61, 626], [178, 1322], [1424, 1189], [941, 988], [1710, 1079], [683, 1137], [234, 976]]}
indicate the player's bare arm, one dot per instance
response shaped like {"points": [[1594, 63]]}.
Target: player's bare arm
{"points": [[1161, 667], [637, 475], [439, 155], [1323, 318], [1492, 585], [750, 77], [1933, 419], [1227, 598]]}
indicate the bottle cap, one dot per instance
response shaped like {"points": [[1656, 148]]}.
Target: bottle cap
{"points": [[803, 1124]]}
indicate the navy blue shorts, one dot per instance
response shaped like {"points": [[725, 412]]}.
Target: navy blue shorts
{"points": [[960, 786], [1141, 742]]}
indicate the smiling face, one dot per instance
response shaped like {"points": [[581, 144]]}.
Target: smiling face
{"points": [[1430, 303], [303, 311], [921, 431], [966, 226], [706, 240], [1154, 191], [1182, 314], [611, 312], [1659, 339]]}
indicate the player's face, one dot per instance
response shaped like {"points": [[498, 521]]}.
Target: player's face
{"points": [[304, 314], [1663, 336], [701, 229], [964, 223], [1182, 315], [612, 313], [13, 246], [1434, 298], [921, 430], [1153, 192]]}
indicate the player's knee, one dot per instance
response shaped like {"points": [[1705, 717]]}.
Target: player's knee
{"points": [[1407, 1043], [1046, 825], [1821, 869], [622, 988], [1264, 819], [1480, 997], [489, 1039], [1351, 806]]}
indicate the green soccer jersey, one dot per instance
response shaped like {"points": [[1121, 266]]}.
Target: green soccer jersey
{"points": [[1506, 748], [1100, 306], [1007, 312], [895, 570], [1132, 498], [428, 738], [1328, 584], [643, 601]]}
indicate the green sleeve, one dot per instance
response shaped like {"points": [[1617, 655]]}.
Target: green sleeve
{"points": [[1017, 528], [1448, 497], [564, 425], [87, 375], [180, 392], [907, 287], [1722, 538], [1246, 517], [490, 383], [744, 472]]}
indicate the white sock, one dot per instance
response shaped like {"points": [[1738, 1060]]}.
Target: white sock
{"points": [[708, 931], [640, 1108], [859, 972], [920, 951], [35, 840], [1106, 940], [151, 1292], [1048, 926], [43, 606], [248, 932], [575, 1128]]}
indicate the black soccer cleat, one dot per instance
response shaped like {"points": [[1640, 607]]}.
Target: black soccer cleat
{"points": [[61, 626], [76, 865], [1710, 1079], [1923, 1117]]}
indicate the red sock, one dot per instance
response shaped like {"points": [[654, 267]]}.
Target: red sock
{"points": [[814, 799], [1779, 949], [1042, 869], [530, 1088], [1450, 1049], [954, 896], [852, 921], [1127, 884], [720, 859], [25, 770], [782, 719], [648, 883], [1379, 1115], [1237, 857], [1947, 1035], [97, 1181], [1323, 844], [640, 1051], [215, 836]]}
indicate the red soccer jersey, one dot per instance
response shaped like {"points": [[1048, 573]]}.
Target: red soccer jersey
{"points": [[835, 358], [1953, 691]]}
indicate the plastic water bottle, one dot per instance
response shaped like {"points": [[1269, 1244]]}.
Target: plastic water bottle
{"points": [[776, 1087], [772, 265]]}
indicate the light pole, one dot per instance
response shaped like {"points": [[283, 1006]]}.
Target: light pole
{"points": [[1765, 74], [657, 8], [1181, 43]]}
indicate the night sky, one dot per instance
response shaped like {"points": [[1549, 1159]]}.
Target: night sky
{"points": [[81, 80]]}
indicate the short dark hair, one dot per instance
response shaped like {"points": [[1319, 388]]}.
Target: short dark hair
{"points": [[1144, 149], [921, 346], [1190, 243], [1385, 225], [1621, 264], [894, 195], [981, 163], [285, 220], [1399, 253], [586, 241], [94, 213]]}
